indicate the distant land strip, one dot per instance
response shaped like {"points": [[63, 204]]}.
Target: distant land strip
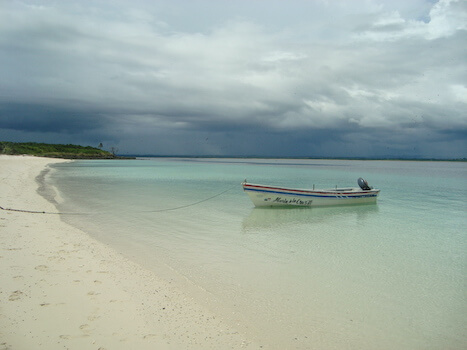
{"points": [[55, 150], [297, 157]]}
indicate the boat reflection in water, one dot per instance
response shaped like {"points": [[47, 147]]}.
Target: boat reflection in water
{"points": [[279, 219]]}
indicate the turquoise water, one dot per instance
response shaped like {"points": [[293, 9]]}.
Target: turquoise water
{"points": [[383, 276]]}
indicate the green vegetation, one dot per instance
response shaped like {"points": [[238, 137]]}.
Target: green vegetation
{"points": [[54, 151]]}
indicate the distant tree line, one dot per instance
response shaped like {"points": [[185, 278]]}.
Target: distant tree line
{"points": [[54, 150]]}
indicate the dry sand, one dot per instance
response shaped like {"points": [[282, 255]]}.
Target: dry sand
{"points": [[61, 289]]}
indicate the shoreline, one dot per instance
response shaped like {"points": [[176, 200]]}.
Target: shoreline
{"points": [[63, 289]]}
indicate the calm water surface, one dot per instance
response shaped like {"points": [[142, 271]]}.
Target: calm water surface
{"points": [[383, 276]]}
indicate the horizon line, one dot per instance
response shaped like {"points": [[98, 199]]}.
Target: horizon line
{"points": [[292, 157]]}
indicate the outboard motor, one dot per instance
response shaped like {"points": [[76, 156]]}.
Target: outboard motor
{"points": [[363, 184]]}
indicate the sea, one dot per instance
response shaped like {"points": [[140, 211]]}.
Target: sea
{"points": [[390, 275]]}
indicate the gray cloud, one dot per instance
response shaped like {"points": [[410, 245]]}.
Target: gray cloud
{"points": [[304, 78]]}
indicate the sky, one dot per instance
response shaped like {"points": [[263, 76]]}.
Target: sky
{"points": [[275, 78]]}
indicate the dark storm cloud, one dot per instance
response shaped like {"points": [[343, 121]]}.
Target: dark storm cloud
{"points": [[48, 118], [298, 78]]}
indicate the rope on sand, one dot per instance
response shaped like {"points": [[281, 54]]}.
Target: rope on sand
{"points": [[39, 212], [143, 211]]}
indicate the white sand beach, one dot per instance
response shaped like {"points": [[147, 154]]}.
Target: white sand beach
{"points": [[61, 289]]}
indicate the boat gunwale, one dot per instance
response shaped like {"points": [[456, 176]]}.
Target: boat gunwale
{"points": [[337, 192]]}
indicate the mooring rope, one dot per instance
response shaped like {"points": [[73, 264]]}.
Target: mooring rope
{"points": [[141, 211], [40, 212], [189, 205]]}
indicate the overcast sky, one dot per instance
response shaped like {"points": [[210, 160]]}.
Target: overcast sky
{"points": [[371, 78]]}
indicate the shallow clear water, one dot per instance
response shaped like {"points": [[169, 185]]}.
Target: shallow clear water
{"points": [[384, 276]]}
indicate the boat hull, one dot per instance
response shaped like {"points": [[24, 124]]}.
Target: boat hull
{"points": [[268, 196]]}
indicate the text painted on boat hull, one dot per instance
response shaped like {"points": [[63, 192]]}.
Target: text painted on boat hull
{"points": [[293, 201]]}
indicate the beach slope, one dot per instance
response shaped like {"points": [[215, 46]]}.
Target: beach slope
{"points": [[61, 289]]}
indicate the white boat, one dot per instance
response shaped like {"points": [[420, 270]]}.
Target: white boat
{"points": [[271, 196]]}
